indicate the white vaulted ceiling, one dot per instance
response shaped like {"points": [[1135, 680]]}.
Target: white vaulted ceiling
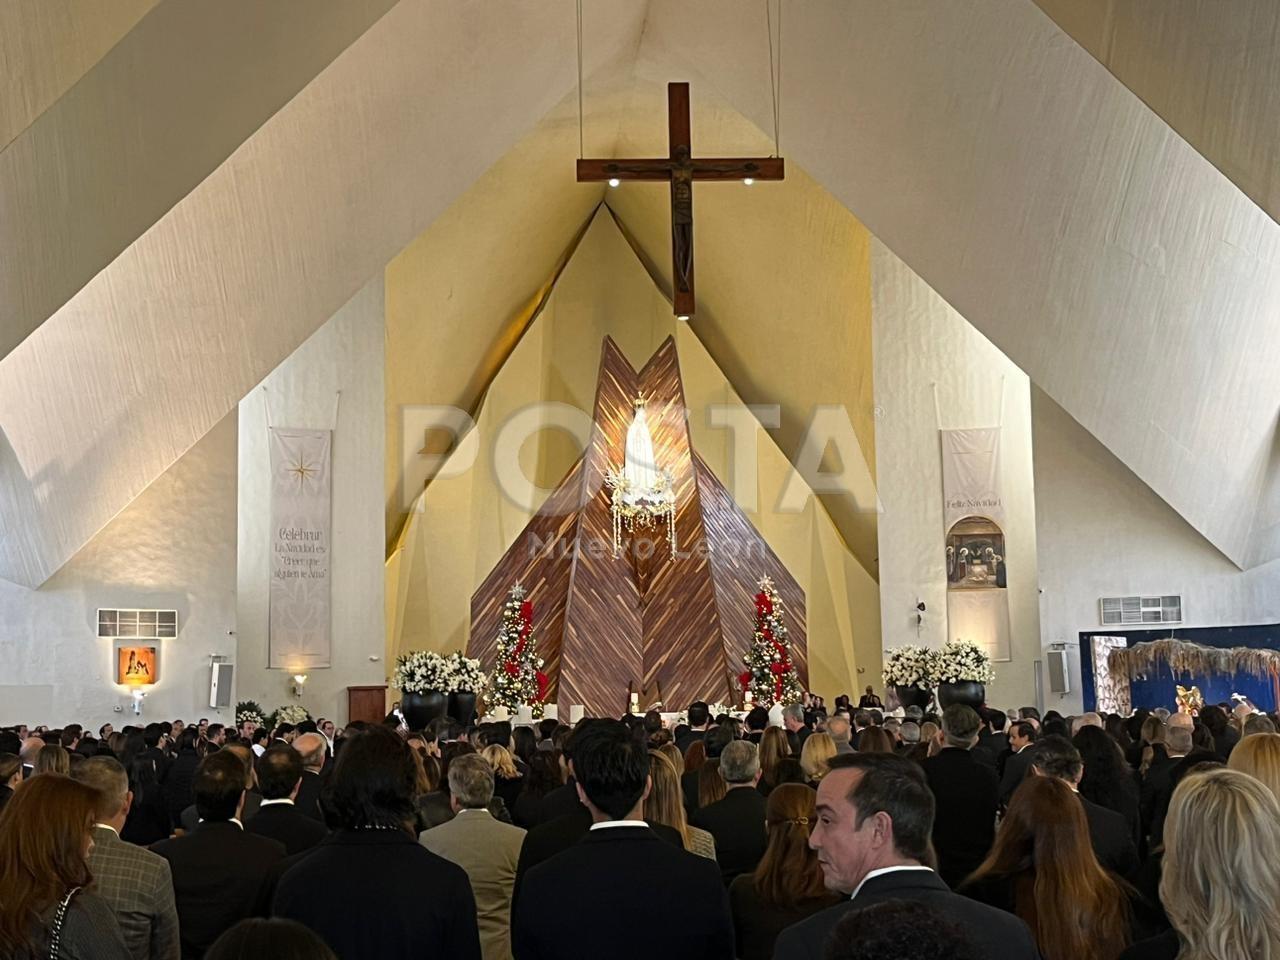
{"points": [[195, 192], [1131, 280]]}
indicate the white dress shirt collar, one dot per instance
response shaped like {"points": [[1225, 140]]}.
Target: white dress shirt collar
{"points": [[606, 824], [882, 871], [280, 800], [107, 826]]}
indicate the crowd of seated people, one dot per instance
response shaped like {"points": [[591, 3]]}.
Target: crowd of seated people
{"points": [[962, 834]]}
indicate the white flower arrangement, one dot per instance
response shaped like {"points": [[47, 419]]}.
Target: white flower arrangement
{"points": [[911, 666], [420, 671], [248, 711], [960, 661], [463, 674], [293, 713]]}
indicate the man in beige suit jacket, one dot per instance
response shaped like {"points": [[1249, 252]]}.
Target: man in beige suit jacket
{"points": [[487, 849], [135, 883]]}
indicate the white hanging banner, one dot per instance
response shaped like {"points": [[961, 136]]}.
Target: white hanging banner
{"points": [[301, 513], [971, 480]]}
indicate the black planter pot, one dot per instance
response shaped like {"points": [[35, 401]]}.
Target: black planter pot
{"points": [[420, 709], [968, 692], [913, 697], [462, 705]]}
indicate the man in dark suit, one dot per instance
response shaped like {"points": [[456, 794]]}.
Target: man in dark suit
{"points": [[869, 700], [797, 730], [875, 817], [699, 715], [992, 741], [714, 743], [280, 777], [312, 749], [966, 797], [1157, 785], [1109, 832], [217, 868], [555, 836], [1017, 763], [737, 821], [600, 876]]}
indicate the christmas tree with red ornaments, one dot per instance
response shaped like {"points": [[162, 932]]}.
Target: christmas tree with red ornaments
{"points": [[770, 676], [518, 678]]}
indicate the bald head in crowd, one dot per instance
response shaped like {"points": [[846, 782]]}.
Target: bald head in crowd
{"points": [[311, 747], [30, 747]]}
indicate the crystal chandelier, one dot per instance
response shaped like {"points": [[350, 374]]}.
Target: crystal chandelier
{"points": [[643, 496]]}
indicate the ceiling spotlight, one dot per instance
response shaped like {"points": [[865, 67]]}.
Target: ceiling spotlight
{"points": [[682, 316], [748, 181], [614, 181]]}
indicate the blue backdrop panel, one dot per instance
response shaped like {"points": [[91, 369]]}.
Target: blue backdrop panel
{"points": [[1158, 689]]}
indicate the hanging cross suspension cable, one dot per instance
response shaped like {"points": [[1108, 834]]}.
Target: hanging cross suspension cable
{"points": [[775, 71], [581, 150]]}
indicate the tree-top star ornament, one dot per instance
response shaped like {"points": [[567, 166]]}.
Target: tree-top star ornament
{"points": [[770, 675], [518, 678]]}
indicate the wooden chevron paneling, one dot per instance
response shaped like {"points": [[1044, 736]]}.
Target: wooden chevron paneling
{"points": [[739, 558], [683, 647], [673, 627], [603, 629], [541, 559]]}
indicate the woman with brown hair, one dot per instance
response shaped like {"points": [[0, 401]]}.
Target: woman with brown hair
{"points": [[695, 756], [1043, 869], [773, 747], [52, 758], [665, 805], [45, 910], [787, 885], [875, 740]]}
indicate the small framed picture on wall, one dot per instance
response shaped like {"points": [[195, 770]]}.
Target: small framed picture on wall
{"points": [[136, 665]]}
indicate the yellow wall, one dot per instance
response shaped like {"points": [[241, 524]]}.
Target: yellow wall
{"points": [[464, 523]]}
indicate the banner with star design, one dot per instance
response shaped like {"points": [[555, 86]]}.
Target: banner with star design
{"points": [[300, 549]]}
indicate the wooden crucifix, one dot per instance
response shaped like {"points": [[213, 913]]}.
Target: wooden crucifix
{"points": [[681, 169]]}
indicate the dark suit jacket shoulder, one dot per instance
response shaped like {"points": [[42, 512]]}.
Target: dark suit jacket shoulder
{"points": [[600, 877], [964, 827], [737, 823], [287, 824], [1112, 840], [998, 935], [217, 870], [399, 901]]}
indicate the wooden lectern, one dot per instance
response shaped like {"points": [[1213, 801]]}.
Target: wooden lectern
{"points": [[367, 703]]}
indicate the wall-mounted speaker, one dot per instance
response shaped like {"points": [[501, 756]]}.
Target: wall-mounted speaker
{"points": [[1059, 671], [220, 684]]}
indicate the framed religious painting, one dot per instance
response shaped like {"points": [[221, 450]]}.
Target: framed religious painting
{"points": [[136, 665]]}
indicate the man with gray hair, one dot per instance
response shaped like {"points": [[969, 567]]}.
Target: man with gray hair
{"points": [[797, 730], [737, 820], [967, 794], [1086, 720], [838, 730], [136, 883], [487, 849], [909, 733]]}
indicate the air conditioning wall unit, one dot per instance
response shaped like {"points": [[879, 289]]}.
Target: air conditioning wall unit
{"points": [[1118, 611]]}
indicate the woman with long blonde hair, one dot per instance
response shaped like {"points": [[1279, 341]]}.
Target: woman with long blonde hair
{"points": [[665, 804], [672, 753], [507, 779], [1220, 880], [52, 758], [787, 885], [1259, 756], [1042, 868], [815, 756], [773, 747]]}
